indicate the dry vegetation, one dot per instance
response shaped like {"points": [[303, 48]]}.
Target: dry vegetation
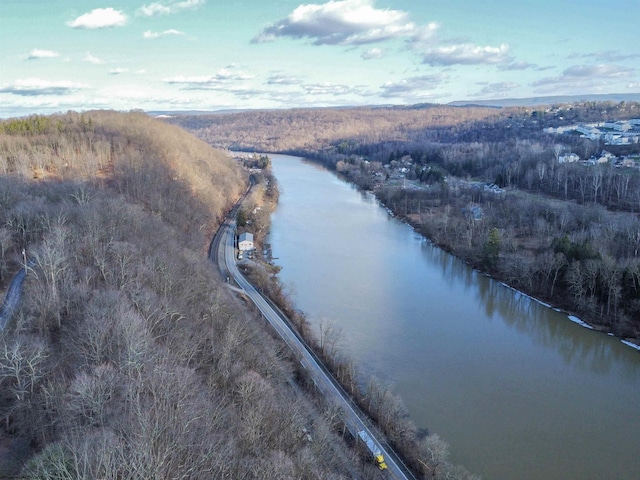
{"points": [[128, 358], [311, 131]]}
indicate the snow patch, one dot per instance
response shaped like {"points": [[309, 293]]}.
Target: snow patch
{"points": [[579, 322], [631, 344]]}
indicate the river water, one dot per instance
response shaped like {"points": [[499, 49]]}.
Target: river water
{"points": [[517, 389]]}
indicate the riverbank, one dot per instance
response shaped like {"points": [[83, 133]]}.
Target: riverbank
{"points": [[556, 302], [543, 247], [515, 258]]}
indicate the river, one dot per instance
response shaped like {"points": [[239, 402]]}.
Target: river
{"points": [[517, 389]]}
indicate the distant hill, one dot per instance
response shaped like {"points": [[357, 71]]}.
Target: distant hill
{"points": [[495, 103], [172, 113], [534, 101]]}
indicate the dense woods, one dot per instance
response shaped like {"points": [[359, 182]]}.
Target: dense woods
{"points": [[487, 185], [312, 131], [128, 357]]}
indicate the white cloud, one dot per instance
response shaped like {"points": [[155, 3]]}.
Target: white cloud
{"points": [[168, 7], [466, 54], [413, 87], [585, 79], [99, 18], [184, 80], [341, 22], [35, 86], [500, 88], [151, 35], [586, 74], [118, 71], [91, 59], [36, 54], [424, 34], [224, 79], [602, 71], [517, 66], [280, 79], [606, 56], [372, 53], [328, 89]]}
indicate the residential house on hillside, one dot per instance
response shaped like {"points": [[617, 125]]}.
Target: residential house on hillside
{"points": [[605, 157], [627, 162], [621, 132]]}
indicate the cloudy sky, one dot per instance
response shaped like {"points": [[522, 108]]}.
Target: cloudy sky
{"points": [[57, 55]]}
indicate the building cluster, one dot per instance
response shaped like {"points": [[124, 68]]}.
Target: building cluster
{"points": [[621, 132], [627, 161]]}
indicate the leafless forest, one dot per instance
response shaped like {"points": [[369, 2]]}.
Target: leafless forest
{"points": [[565, 232], [128, 358]]}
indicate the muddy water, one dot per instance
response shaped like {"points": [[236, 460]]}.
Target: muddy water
{"points": [[517, 389]]}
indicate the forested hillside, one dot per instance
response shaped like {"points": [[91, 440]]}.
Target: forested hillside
{"points": [[311, 131], [488, 185], [128, 358]]}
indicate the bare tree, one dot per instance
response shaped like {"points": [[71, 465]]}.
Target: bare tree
{"points": [[51, 258]]}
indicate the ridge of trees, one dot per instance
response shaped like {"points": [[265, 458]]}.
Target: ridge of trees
{"points": [[128, 357], [447, 155]]}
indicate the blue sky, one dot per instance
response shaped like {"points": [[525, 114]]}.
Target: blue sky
{"points": [[59, 55]]}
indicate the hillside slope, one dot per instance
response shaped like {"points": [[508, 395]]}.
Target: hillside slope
{"points": [[129, 358]]}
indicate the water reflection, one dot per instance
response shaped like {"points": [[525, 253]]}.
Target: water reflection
{"points": [[506, 380], [580, 347]]}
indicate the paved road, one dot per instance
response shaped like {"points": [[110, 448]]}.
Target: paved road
{"points": [[222, 251], [12, 298]]}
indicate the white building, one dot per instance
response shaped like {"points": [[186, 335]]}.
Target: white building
{"points": [[619, 126], [605, 157], [245, 242], [569, 158]]}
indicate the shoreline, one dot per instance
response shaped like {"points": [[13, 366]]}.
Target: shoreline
{"points": [[633, 343], [571, 316]]}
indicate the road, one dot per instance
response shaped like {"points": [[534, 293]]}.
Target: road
{"points": [[222, 252], [12, 298]]}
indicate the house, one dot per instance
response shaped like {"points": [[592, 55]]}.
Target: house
{"points": [[569, 158], [493, 188], [619, 126], [588, 131], [605, 157], [245, 242], [628, 162]]}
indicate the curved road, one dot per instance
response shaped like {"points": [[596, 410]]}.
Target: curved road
{"points": [[12, 298], [222, 252]]}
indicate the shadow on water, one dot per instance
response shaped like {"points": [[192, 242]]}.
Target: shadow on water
{"points": [[578, 346]]}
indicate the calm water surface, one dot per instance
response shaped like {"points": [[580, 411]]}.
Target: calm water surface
{"points": [[516, 389]]}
